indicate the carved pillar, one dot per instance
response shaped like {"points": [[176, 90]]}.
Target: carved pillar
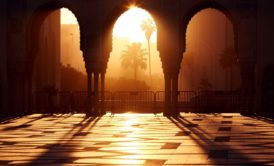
{"points": [[248, 81], [93, 69], [29, 85], [89, 99], [170, 53], [88, 104], [174, 93], [171, 94], [171, 70], [167, 110], [30, 95], [4, 55], [103, 93], [248, 77], [16, 81], [96, 93], [247, 50]]}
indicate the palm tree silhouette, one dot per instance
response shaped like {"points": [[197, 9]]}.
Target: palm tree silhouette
{"points": [[228, 59], [148, 27], [134, 57]]}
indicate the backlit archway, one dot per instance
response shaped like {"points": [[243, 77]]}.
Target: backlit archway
{"points": [[130, 29], [210, 61], [58, 61]]}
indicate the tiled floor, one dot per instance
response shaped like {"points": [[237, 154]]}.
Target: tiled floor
{"points": [[137, 139]]}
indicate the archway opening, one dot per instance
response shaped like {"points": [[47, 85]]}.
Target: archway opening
{"points": [[134, 63], [73, 65], [59, 57], [210, 62], [59, 69]]}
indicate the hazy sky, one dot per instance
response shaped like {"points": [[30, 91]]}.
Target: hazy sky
{"points": [[205, 38], [67, 17], [128, 25], [127, 29]]}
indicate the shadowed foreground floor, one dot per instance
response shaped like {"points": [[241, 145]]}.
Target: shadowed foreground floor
{"points": [[137, 139]]}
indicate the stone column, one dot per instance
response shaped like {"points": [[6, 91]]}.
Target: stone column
{"points": [[89, 97], [3, 63], [96, 93], [248, 84], [103, 111], [167, 110], [16, 94], [247, 51], [174, 93], [168, 43]]}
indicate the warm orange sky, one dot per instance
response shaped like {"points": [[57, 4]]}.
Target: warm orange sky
{"points": [[127, 29], [128, 25]]}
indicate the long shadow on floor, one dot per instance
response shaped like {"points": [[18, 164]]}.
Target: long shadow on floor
{"points": [[218, 149], [28, 123], [60, 152]]}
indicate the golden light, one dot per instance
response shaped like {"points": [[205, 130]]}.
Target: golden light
{"points": [[128, 25], [67, 17], [131, 119]]}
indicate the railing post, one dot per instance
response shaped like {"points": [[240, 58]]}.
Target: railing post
{"points": [[112, 102], [154, 102]]}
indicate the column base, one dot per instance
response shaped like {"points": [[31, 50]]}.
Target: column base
{"points": [[93, 114], [171, 114]]}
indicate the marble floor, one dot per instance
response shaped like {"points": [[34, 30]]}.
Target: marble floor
{"points": [[137, 139]]}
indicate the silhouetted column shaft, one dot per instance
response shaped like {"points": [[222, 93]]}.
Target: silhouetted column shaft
{"points": [[24, 99], [248, 81], [175, 96], [248, 78], [29, 95], [16, 94], [167, 95], [89, 104], [103, 93], [96, 92]]}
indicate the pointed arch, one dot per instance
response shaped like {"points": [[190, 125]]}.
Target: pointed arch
{"points": [[38, 17], [196, 8], [111, 19]]}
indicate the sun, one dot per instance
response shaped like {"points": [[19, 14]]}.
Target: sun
{"points": [[128, 25]]}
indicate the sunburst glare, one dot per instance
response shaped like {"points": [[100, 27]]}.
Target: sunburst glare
{"points": [[128, 25]]}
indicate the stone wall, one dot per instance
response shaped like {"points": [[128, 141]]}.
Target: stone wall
{"points": [[3, 58]]}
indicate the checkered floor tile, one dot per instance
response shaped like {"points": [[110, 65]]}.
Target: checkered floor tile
{"points": [[137, 139]]}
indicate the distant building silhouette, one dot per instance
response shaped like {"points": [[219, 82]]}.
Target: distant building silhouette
{"points": [[70, 47]]}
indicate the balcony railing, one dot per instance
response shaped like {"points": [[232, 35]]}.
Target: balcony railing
{"points": [[141, 101]]}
